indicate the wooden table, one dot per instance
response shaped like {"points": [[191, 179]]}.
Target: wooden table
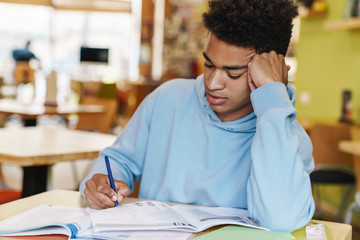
{"points": [[308, 123], [35, 149], [339, 231], [350, 146], [30, 111], [353, 147]]}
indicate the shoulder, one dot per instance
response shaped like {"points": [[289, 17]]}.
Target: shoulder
{"points": [[171, 100], [176, 84], [172, 92], [175, 88]]}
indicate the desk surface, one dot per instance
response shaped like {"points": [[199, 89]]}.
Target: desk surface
{"points": [[34, 146], [11, 106], [74, 199], [351, 147]]}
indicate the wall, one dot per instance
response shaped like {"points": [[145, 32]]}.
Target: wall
{"points": [[147, 25], [328, 63], [184, 39]]}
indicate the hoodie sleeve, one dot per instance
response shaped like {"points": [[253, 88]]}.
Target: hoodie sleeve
{"points": [[127, 154], [279, 188]]}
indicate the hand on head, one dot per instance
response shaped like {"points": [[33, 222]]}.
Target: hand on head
{"points": [[265, 68], [99, 194]]}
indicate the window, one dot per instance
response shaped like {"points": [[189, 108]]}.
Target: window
{"points": [[57, 36]]}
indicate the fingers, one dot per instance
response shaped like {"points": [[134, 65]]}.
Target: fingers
{"points": [[286, 74], [250, 82], [265, 68], [99, 194], [123, 190]]}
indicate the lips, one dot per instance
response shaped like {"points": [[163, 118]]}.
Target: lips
{"points": [[215, 100]]}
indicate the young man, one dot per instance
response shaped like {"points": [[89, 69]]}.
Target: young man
{"points": [[228, 138]]}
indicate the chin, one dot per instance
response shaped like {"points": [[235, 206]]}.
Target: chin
{"points": [[218, 109]]}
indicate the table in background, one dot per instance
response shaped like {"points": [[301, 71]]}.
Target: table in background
{"points": [[308, 123], [35, 149], [353, 147], [32, 110], [74, 199]]}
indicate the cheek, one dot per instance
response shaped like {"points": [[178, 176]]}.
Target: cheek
{"points": [[239, 90], [207, 74]]}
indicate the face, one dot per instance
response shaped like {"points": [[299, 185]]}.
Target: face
{"points": [[225, 79]]}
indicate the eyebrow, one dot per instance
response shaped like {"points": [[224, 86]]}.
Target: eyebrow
{"points": [[233, 67]]}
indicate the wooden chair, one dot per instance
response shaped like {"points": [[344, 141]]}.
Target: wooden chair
{"points": [[7, 194], [24, 73], [1, 85], [331, 165], [101, 122], [135, 193], [2, 179]]}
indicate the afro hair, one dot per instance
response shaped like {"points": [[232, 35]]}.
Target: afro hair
{"points": [[265, 25]]}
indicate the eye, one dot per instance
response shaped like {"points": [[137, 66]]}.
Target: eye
{"points": [[208, 65], [234, 76]]}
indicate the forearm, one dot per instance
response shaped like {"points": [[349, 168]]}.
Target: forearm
{"points": [[127, 154], [279, 188]]}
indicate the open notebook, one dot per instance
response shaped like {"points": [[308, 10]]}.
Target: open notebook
{"points": [[153, 215], [181, 220]]}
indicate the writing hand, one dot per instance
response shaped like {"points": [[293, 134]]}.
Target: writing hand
{"points": [[99, 194], [265, 68]]}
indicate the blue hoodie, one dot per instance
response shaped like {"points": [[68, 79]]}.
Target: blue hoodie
{"points": [[182, 152]]}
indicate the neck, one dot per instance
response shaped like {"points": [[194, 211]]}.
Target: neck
{"points": [[228, 117]]}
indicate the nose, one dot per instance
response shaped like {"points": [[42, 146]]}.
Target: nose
{"points": [[215, 80]]}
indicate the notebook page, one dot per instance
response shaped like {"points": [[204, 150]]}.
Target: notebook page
{"points": [[205, 217], [144, 215], [45, 215]]}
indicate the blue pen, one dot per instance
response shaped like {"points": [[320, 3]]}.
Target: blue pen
{"points": [[112, 185]]}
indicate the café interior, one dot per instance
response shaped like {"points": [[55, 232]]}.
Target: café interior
{"points": [[112, 53]]}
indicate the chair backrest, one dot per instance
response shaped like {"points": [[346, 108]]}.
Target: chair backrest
{"points": [[101, 122], [325, 139], [135, 193], [2, 178], [24, 73], [8, 195]]}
